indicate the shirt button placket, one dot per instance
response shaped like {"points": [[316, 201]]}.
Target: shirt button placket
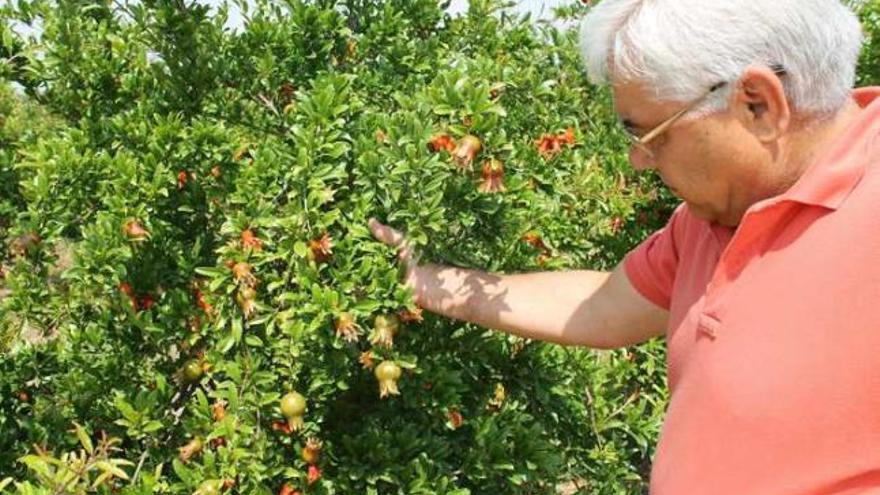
{"points": [[708, 325]]}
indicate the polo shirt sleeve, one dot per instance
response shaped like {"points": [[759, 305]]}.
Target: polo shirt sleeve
{"points": [[652, 265]]}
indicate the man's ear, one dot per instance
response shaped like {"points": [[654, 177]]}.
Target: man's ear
{"points": [[759, 102]]}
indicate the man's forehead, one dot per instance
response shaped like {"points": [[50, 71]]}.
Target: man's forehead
{"points": [[635, 103], [631, 102]]}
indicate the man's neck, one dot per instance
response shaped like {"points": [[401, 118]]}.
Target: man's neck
{"points": [[807, 144]]}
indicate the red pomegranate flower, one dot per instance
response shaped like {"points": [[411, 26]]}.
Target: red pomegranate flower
{"points": [[442, 142], [287, 91], [202, 303], [455, 418], [181, 179], [250, 240], [287, 490], [147, 302], [549, 145], [314, 474], [414, 316], [282, 426], [568, 137], [534, 240], [366, 360], [321, 248], [126, 289], [134, 230]]}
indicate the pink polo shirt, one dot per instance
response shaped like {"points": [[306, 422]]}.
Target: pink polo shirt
{"points": [[774, 334]]}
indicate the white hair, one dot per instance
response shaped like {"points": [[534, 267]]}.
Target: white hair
{"points": [[681, 48]]}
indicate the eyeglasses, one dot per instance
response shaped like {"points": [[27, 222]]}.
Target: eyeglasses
{"points": [[641, 142]]}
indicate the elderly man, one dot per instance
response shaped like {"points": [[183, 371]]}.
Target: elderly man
{"points": [[765, 282]]}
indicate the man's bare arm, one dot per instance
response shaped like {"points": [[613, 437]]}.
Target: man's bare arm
{"points": [[589, 308]]}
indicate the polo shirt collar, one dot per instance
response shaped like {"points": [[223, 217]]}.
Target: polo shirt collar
{"points": [[833, 176]]}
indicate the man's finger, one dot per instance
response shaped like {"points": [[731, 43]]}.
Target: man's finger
{"points": [[385, 233]]}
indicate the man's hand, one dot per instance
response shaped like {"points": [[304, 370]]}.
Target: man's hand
{"points": [[406, 253]]}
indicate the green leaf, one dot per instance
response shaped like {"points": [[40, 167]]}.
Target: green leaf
{"points": [[110, 468], [84, 438]]}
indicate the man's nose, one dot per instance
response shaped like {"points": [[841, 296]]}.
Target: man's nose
{"points": [[640, 160]]}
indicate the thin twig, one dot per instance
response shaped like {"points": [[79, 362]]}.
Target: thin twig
{"points": [[268, 104], [137, 471]]}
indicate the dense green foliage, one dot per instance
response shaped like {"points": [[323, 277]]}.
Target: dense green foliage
{"points": [[164, 188]]}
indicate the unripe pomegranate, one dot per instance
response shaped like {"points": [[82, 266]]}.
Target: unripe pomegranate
{"points": [[498, 399], [193, 371], [493, 177], [218, 411], [242, 152], [245, 298], [209, 487], [384, 329], [388, 372], [311, 451], [193, 448], [243, 274], [293, 407], [466, 151], [496, 90], [346, 327]]}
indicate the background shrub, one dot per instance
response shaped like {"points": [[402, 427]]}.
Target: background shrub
{"points": [[165, 186]]}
